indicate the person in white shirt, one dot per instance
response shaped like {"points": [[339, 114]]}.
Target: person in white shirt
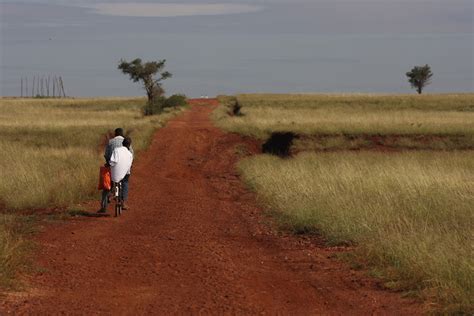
{"points": [[120, 164]]}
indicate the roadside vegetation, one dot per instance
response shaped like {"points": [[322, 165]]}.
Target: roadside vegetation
{"points": [[13, 247], [349, 115], [409, 213], [51, 153]]}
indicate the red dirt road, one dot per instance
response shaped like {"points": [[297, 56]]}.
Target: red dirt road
{"points": [[195, 241]]}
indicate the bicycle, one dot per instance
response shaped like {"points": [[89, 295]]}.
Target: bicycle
{"points": [[118, 197]]}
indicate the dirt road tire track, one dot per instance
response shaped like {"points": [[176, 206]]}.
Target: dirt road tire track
{"points": [[195, 241]]}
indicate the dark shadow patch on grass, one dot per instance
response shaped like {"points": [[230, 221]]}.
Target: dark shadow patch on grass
{"points": [[279, 144]]}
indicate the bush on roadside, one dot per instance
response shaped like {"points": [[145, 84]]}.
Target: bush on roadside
{"points": [[160, 103], [175, 101], [154, 107]]}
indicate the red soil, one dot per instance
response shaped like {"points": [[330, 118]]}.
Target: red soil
{"points": [[195, 241]]}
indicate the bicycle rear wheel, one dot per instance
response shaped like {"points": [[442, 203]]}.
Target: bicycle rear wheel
{"points": [[118, 197]]}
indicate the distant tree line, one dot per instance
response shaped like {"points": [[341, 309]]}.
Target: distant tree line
{"points": [[418, 77], [144, 72]]}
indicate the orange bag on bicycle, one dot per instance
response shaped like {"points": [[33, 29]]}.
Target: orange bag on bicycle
{"points": [[105, 180]]}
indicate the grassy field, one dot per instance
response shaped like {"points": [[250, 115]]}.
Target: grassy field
{"points": [[409, 213], [51, 153], [449, 115], [52, 148]]}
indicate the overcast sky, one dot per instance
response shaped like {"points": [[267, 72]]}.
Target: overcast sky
{"points": [[240, 45], [419, 16]]}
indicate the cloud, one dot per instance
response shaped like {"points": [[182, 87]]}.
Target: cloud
{"points": [[171, 10]]}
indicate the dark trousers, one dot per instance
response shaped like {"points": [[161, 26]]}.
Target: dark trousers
{"points": [[125, 187], [104, 200]]}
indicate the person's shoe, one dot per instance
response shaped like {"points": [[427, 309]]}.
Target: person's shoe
{"points": [[124, 207], [102, 211]]}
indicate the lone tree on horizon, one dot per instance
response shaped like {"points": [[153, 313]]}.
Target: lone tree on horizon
{"points": [[419, 77], [145, 73]]}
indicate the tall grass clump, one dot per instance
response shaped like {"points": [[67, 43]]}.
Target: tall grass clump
{"points": [[13, 247], [410, 214]]}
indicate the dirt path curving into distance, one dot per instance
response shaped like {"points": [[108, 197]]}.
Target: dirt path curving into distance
{"points": [[195, 241]]}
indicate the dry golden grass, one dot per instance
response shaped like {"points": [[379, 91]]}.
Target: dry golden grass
{"points": [[51, 153], [351, 115], [410, 214], [13, 247], [51, 148], [425, 102]]}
